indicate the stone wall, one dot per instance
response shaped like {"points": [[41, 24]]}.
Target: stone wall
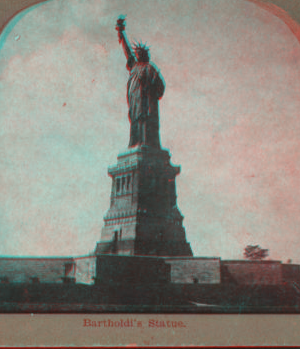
{"points": [[132, 269], [291, 273], [36, 269], [137, 269], [252, 272], [85, 269], [194, 270]]}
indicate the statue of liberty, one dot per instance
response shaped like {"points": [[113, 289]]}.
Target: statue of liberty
{"points": [[144, 89]]}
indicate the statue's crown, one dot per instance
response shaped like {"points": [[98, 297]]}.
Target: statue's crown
{"points": [[139, 46], [141, 52]]}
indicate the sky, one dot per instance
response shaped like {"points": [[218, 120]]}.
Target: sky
{"points": [[229, 117]]}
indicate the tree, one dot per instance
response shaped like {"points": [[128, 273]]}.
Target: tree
{"points": [[255, 253]]}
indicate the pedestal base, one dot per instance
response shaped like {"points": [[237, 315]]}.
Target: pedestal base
{"points": [[143, 218], [145, 248]]}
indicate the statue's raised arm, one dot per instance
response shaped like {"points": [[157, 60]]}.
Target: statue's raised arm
{"points": [[130, 56]]}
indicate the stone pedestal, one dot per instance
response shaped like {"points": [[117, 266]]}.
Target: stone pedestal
{"points": [[143, 218]]}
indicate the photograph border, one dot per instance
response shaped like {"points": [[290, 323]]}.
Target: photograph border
{"points": [[197, 329]]}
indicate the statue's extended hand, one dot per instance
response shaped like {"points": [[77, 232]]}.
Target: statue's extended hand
{"points": [[120, 27]]}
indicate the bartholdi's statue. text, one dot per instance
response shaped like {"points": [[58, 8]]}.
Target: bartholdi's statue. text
{"points": [[144, 89]]}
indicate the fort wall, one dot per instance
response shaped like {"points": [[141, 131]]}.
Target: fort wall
{"points": [[35, 269], [194, 270], [251, 272]]}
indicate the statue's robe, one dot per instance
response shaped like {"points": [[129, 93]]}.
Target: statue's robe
{"points": [[144, 89]]}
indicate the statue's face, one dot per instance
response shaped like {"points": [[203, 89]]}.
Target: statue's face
{"points": [[142, 56]]}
